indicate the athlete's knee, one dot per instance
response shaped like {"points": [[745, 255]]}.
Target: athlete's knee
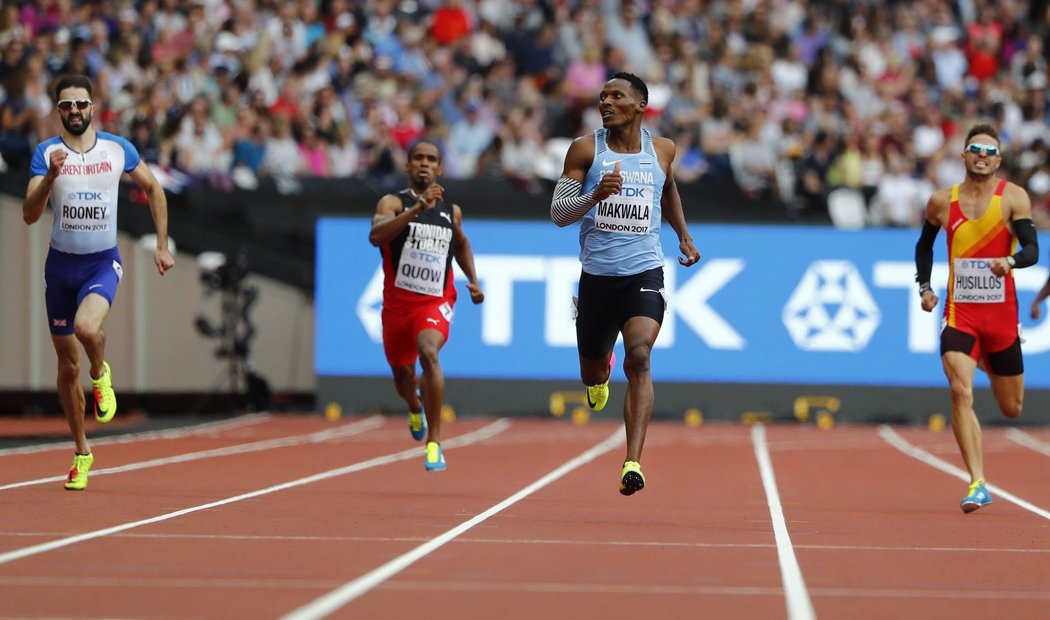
{"points": [[428, 356], [962, 393], [69, 368], [86, 332], [1011, 407], [636, 359]]}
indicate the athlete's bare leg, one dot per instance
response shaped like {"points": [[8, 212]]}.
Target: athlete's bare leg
{"points": [[595, 371], [70, 392], [639, 335], [1009, 393], [432, 384], [87, 327], [959, 368], [405, 382]]}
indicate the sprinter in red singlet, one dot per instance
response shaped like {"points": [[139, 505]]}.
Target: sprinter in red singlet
{"points": [[985, 218], [418, 234]]}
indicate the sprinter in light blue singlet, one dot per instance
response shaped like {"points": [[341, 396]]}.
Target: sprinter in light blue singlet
{"points": [[78, 173], [617, 181]]}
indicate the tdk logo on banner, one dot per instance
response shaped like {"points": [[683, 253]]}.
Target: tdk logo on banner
{"points": [[831, 309]]}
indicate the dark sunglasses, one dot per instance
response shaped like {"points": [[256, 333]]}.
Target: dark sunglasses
{"points": [[983, 149], [67, 104]]}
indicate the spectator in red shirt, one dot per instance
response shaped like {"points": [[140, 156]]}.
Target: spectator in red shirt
{"points": [[451, 23]]}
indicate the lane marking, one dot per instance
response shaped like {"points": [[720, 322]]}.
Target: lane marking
{"points": [[168, 433], [266, 444], [799, 605], [331, 602], [894, 439], [1020, 437], [479, 435]]}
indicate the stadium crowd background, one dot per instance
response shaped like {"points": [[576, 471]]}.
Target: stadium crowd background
{"points": [[788, 99]]}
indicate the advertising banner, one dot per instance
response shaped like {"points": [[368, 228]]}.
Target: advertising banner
{"points": [[766, 304]]}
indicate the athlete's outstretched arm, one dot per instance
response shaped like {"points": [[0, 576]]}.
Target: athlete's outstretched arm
{"points": [[465, 256], [671, 204], [158, 206]]}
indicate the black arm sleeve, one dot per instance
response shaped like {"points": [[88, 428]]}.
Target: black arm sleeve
{"points": [[1029, 254], [924, 253]]}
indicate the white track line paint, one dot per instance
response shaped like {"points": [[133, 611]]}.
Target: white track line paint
{"points": [[799, 605], [482, 434], [894, 439], [349, 430], [331, 602], [1026, 440], [169, 433]]}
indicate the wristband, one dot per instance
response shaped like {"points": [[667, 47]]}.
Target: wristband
{"points": [[924, 288], [1010, 260]]}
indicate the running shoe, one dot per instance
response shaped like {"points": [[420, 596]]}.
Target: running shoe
{"points": [[105, 399], [978, 496], [631, 478], [78, 473], [417, 425], [435, 458], [598, 395]]}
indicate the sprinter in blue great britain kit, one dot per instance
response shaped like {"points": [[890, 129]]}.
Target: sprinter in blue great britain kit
{"points": [[617, 182], [78, 173]]}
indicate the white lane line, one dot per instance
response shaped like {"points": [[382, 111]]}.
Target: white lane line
{"points": [[891, 437], [170, 433], [331, 602], [486, 432], [267, 444], [1020, 437], [799, 605]]}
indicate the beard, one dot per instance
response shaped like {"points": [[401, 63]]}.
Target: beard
{"points": [[77, 130]]}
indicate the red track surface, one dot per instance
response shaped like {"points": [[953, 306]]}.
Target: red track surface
{"points": [[876, 533]]}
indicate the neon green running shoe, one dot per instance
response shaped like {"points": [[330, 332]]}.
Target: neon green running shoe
{"points": [[417, 425], [435, 457], [105, 399], [631, 478], [598, 395], [78, 473], [976, 496]]}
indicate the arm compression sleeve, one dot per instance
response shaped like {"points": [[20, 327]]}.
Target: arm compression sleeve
{"points": [[568, 205], [1029, 254], [924, 253]]}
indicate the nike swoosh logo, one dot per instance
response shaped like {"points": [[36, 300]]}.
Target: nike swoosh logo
{"points": [[94, 286], [434, 321], [610, 163], [648, 290], [591, 403]]}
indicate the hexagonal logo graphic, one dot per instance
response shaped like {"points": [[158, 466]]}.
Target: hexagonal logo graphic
{"points": [[831, 309]]}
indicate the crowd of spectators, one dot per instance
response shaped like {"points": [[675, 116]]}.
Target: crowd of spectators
{"points": [[788, 99]]}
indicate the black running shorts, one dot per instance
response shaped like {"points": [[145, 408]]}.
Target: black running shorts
{"points": [[605, 303]]}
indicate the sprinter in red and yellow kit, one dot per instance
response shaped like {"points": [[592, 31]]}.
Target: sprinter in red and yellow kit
{"points": [[986, 218]]}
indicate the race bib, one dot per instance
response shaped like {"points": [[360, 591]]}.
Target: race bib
{"points": [[421, 272], [630, 211], [86, 211], [974, 283]]}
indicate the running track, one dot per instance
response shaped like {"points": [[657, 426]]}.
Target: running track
{"points": [[297, 517]]}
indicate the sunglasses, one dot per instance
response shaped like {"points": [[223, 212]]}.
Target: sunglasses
{"points": [[67, 104], [983, 149]]}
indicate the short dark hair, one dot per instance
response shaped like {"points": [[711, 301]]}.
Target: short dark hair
{"points": [[636, 83], [415, 145], [982, 129], [73, 81]]}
